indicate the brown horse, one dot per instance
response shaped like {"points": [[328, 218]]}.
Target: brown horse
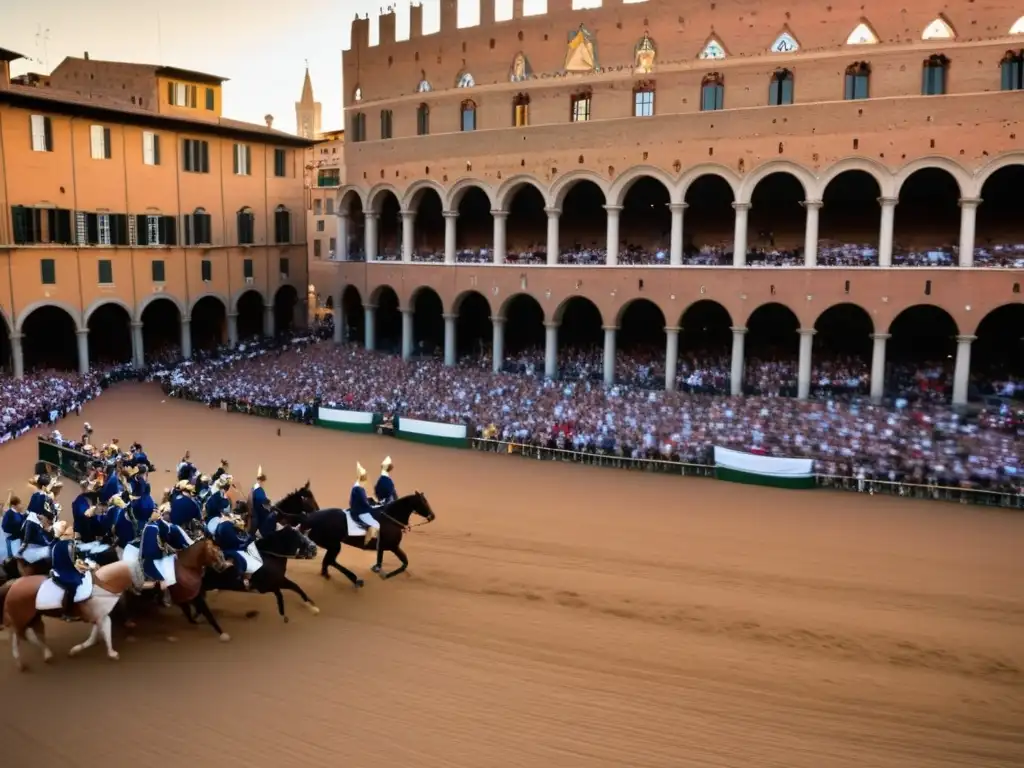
{"points": [[18, 603], [189, 567]]}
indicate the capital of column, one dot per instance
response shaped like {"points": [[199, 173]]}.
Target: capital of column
{"points": [[673, 328], [268, 307], [405, 310], [882, 336], [888, 201], [551, 324], [342, 214], [499, 214], [186, 321], [232, 314], [137, 324], [741, 206], [450, 214], [16, 337], [613, 208], [449, 316], [970, 202], [806, 331], [674, 207], [553, 213], [965, 339], [371, 215], [609, 327], [497, 320], [812, 204], [738, 330], [407, 213], [82, 331], [369, 306]]}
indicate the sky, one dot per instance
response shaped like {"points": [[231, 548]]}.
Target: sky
{"points": [[263, 55]]}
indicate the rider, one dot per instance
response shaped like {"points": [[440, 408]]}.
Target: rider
{"points": [[143, 505], [153, 547], [359, 504], [87, 526], [202, 488], [12, 524], [123, 525], [229, 534], [186, 469], [67, 570], [40, 502], [185, 510], [263, 517], [217, 503], [36, 538], [221, 470], [384, 490], [112, 487]]}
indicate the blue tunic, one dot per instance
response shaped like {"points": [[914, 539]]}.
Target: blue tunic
{"points": [[384, 490], [264, 517], [41, 504], [140, 459], [232, 544], [175, 537], [34, 534], [138, 485], [154, 534], [110, 489], [186, 470], [217, 504], [359, 502], [89, 528], [63, 569], [12, 524], [143, 507], [124, 528], [185, 510]]}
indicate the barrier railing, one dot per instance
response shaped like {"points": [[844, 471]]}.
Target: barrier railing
{"points": [[1007, 499]]}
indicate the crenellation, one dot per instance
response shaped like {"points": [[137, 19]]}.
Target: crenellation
{"points": [[450, 18], [415, 22], [360, 34], [386, 29]]}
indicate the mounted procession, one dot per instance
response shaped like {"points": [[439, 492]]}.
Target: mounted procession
{"points": [[119, 546]]}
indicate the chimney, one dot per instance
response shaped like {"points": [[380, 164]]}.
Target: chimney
{"points": [[86, 56], [270, 120]]}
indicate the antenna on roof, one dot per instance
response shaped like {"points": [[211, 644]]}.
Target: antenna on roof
{"points": [[42, 38]]}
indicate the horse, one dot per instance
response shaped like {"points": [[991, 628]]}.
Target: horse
{"points": [[187, 592], [328, 528], [18, 606]]}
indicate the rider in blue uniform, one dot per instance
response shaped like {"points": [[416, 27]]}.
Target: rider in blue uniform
{"points": [[40, 502], [36, 538], [217, 503], [112, 487], [123, 523], [66, 569], [221, 471], [263, 516], [152, 547], [359, 503], [12, 524], [233, 541], [185, 509], [384, 489], [186, 469], [87, 527]]}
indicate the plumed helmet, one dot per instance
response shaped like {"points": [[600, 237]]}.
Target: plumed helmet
{"points": [[360, 471]]}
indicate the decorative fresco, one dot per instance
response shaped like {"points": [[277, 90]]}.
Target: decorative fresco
{"points": [[644, 56], [581, 52], [785, 43], [465, 80], [713, 49], [520, 69], [862, 34]]}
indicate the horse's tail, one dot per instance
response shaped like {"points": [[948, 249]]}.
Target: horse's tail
{"points": [[4, 589]]}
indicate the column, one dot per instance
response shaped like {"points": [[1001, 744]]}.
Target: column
{"points": [[553, 214], [812, 209], [450, 355], [186, 338], [803, 375], [878, 366], [138, 348], [268, 320], [369, 326], [83, 350], [232, 329], [370, 235], [609, 354], [962, 369], [18, 355], [500, 230], [885, 230], [339, 319], [739, 235], [450, 220], [341, 252], [407, 333], [550, 349], [671, 356], [408, 234], [736, 372], [676, 247], [497, 343], [968, 219], [612, 233]]}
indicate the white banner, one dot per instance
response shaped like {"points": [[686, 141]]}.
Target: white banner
{"points": [[344, 417], [762, 465], [432, 428]]}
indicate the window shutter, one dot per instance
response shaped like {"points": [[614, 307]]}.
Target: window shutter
{"points": [[19, 220], [170, 93], [48, 131], [156, 149], [106, 143], [787, 91], [119, 228], [209, 99], [158, 271], [204, 157], [248, 159], [206, 270], [142, 230], [186, 221], [168, 229], [62, 226], [235, 159], [773, 92], [207, 228], [92, 229]]}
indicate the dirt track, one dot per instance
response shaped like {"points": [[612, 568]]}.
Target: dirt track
{"points": [[555, 615]]}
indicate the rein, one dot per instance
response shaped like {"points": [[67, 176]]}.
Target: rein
{"points": [[407, 526]]}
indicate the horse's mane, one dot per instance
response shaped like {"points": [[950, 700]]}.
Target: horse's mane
{"points": [[290, 503]]}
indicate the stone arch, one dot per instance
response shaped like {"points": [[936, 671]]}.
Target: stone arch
{"points": [[986, 171], [507, 302], [798, 172], [240, 293], [708, 169], [707, 305], [850, 305], [376, 293], [457, 301], [104, 301], [881, 174], [287, 301], [156, 297], [71, 311], [509, 188], [343, 198], [461, 187], [774, 306], [109, 321], [624, 307], [559, 312], [414, 194], [375, 197], [564, 184], [935, 309], [962, 178], [616, 193]]}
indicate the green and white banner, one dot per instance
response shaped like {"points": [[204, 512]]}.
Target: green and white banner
{"points": [[347, 421], [739, 467], [432, 432]]}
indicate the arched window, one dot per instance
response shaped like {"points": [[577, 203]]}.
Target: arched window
{"points": [[423, 86], [465, 81], [198, 227], [780, 91], [643, 100], [246, 226], [422, 120], [712, 93], [468, 114], [357, 94], [282, 225], [1018, 27], [933, 76], [579, 107], [521, 110], [359, 127], [1012, 71], [385, 123], [858, 81]]}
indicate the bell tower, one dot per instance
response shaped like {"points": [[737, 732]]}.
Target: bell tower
{"points": [[307, 111]]}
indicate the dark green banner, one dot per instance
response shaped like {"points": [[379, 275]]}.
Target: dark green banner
{"points": [[71, 463]]}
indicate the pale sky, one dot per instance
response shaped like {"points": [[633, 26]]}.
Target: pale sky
{"points": [[259, 45]]}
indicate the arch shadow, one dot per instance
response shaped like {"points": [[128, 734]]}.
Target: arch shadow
{"points": [[50, 341], [161, 331], [110, 335]]}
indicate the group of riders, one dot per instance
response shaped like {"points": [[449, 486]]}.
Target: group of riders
{"points": [[115, 511]]}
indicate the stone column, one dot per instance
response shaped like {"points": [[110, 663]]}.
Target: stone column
{"points": [[500, 241], [268, 320], [553, 214], [450, 354], [341, 254], [739, 236], [232, 329], [812, 209], [138, 347], [370, 235], [407, 333], [736, 371], [886, 229], [450, 220], [612, 233], [83, 350], [408, 234], [18, 355], [550, 349], [186, 338], [803, 375], [339, 319], [609, 354], [968, 220], [878, 366], [962, 369], [671, 356], [369, 329], [676, 247], [497, 343]]}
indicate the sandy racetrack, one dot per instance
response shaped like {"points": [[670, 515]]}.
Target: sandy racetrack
{"points": [[554, 615]]}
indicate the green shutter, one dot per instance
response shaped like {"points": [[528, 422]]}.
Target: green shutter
{"points": [[234, 158], [209, 99], [62, 220], [106, 143], [283, 265], [159, 276], [48, 271], [19, 222], [106, 272], [204, 157], [207, 270], [248, 160], [247, 269], [156, 149], [170, 94], [92, 229], [48, 130]]}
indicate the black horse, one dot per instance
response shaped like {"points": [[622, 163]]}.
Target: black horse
{"points": [[328, 528]]}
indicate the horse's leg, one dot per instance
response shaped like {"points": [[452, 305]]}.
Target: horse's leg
{"points": [[105, 630], [380, 552], [204, 609], [16, 650], [89, 643], [280, 604], [401, 556], [34, 637], [288, 584], [330, 558], [186, 608]]}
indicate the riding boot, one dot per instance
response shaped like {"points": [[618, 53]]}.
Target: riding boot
{"points": [[68, 604], [165, 597], [371, 532]]}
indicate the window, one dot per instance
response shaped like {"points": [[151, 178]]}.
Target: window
{"points": [[195, 155], [780, 91], [247, 269], [521, 110], [385, 123], [333, 245], [862, 34], [99, 142], [243, 160], [106, 229], [280, 163], [423, 87], [858, 80], [712, 93], [159, 271], [181, 95], [198, 227], [206, 270], [282, 266], [210, 100], [151, 229], [643, 101], [422, 120], [465, 81], [468, 114], [329, 206], [358, 127], [317, 207], [41, 226], [320, 226], [105, 269], [48, 271], [579, 107], [316, 249], [328, 177], [1012, 70], [282, 225], [150, 148], [246, 227], [42, 133], [357, 94], [933, 76]]}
